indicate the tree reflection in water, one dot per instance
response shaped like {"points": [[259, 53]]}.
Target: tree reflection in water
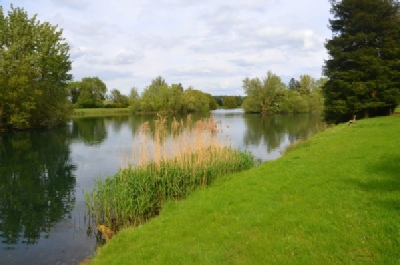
{"points": [[272, 130], [37, 184]]}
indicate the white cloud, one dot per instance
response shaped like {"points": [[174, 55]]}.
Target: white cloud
{"points": [[210, 45]]}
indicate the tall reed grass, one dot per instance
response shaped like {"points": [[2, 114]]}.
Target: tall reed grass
{"points": [[167, 163]]}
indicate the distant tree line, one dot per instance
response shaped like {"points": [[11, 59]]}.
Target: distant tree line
{"points": [[363, 74], [159, 96], [228, 101], [269, 95]]}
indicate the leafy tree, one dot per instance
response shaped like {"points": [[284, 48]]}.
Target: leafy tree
{"points": [[293, 84], [229, 102], [213, 105], [134, 99], [294, 102], [306, 84], [364, 64], [133, 94], [239, 100], [195, 101], [156, 96], [92, 92], [263, 95], [119, 100], [218, 99], [34, 66], [73, 91], [177, 97]]}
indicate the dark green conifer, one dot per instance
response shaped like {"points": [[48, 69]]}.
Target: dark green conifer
{"points": [[364, 63]]}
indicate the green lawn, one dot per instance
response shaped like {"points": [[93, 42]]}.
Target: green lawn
{"points": [[332, 200], [397, 109], [100, 112]]}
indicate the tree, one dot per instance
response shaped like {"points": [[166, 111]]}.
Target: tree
{"points": [[229, 102], [133, 94], [119, 100], [34, 66], [306, 84], [263, 95], [92, 92], [195, 100], [134, 99], [213, 105], [293, 84], [73, 91], [364, 66], [157, 96]]}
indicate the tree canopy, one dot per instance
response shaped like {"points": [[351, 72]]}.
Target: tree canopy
{"points": [[159, 96], [87, 93], [34, 66], [270, 95], [363, 68]]}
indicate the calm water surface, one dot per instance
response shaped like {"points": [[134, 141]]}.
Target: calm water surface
{"points": [[43, 176]]}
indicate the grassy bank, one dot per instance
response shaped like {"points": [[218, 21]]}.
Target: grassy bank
{"points": [[333, 200], [100, 112]]}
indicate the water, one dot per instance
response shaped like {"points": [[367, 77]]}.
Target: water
{"points": [[43, 176]]}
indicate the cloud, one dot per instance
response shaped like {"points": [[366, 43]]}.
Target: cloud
{"points": [[210, 45], [75, 4]]}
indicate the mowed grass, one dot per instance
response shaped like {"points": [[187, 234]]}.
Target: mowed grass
{"points": [[94, 112], [334, 199]]}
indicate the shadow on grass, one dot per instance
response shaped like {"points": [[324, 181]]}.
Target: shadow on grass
{"points": [[383, 180]]}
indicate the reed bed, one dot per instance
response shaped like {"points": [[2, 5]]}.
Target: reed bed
{"points": [[167, 163]]}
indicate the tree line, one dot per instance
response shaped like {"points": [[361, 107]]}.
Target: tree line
{"points": [[269, 95], [362, 74]]}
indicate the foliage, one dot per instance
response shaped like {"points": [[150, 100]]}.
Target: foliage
{"points": [[157, 96], [271, 96], [88, 93], [134, 99], [169, 166], [212, 105], [219, 100], [34, 66], [300, 209], [160, 97], [118, 100], [104, 112], [262, 95], [364, 63], [293, 84], [229, 102], [195, 101]]}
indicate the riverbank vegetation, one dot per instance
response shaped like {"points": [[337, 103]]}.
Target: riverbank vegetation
{"points": [[99, 112], [333, 199], [166, 165], [269, 95]]}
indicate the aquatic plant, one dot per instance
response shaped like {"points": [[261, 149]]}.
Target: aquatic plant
{"points": [[166, 164]]}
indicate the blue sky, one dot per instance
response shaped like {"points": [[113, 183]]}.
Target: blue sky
{"points": [[211, 45]]}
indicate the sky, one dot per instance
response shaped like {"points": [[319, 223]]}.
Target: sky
{"points": [[210, 45]]}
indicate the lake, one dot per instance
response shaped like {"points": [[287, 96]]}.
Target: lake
{"points": [[44, 174]]}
